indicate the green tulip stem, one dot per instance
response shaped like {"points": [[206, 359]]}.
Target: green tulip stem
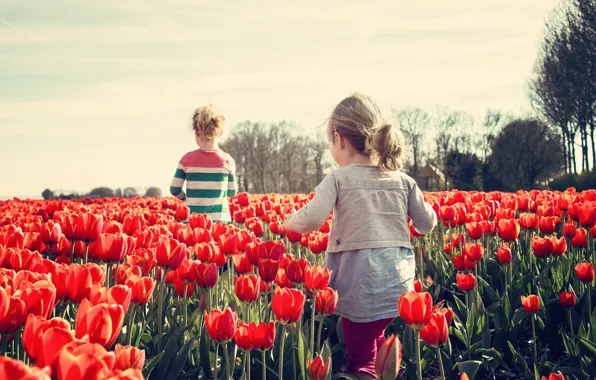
{"points": [[312, 322], [282, 341], [227, 358], [264, 364], [418, 364], [319, 334], [534, 339], [440, 359], [215, 361]]}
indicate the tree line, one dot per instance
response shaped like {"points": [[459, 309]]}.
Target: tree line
{"points": [[496, 152], [104, 192], [563, 87]]}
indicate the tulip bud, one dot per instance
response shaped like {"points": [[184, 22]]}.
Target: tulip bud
{"points": [[389, 359]]}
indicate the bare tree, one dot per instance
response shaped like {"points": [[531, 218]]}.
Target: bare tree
{"points": [[413, 123]]}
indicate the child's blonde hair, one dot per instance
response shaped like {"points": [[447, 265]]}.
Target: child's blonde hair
{"points": [[208, 121], [361, 121]]}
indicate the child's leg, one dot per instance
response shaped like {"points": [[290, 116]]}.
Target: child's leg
{"points": [[361, 340]]}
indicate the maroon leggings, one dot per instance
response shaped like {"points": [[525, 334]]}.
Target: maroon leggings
{"points": [[362, 341]]}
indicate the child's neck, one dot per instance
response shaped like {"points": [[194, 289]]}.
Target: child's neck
{"points": [[359, 159], [208, 145]]}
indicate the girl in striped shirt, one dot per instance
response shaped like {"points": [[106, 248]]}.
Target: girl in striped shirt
{"points": [[208, 171]]}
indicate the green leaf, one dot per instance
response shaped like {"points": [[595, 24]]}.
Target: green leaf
{"points": [[326, 354], [181, 360], [517, 357], [204, 356], [470, 367], [301, 353], [151, 365]]}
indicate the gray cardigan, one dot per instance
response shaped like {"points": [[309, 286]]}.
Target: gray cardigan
{"points": [[370, 209]]}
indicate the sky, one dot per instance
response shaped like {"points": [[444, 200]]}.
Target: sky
{"points": [[101, 93]]}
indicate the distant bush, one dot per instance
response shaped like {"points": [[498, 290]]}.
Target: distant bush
{"points": [[583, 181]]}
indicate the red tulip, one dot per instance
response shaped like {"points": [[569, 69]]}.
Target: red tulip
{"points": [[271, 250], [418, 286], [473, 251], [415, 308], [12, 369], [554, 376], [39, 297], [182, 213], [116, 295], [246, 288], [317, 369], [326, 301], [462, 262], [448, 312], [531, 303], [131, 224], [51, 233], [200, 221], [112, 247], [295, 270], [221, 325], [125, 271], [580, 239], [569, 229], [50, 344], [508, 229], [81, 360], [567, 299], [436, 331], [317, 278], [504, 254], [262, 336], [587, 215], [281, 279], [389, 358], [529, 221], [585, 272], [548, 224], [559, 246], [242, 264], [205, 275], [88, 227], [80, 282], [4, 303], [466, 282], [142, 289], [268, 269], [129, 357], [542, 246], [35, 328], [170, 253], [288, 305], [474, 230], [15, 317], [242, 337], [109, 317]]}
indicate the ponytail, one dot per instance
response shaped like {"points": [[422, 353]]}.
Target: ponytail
{"points": [[386, 146]]}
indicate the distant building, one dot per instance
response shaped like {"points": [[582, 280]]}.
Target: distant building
{"points": [[430, 178]]}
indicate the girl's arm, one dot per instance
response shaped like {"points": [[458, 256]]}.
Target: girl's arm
{"points": [[316, 212], [424, 218], [232, 185], [178, 182]]}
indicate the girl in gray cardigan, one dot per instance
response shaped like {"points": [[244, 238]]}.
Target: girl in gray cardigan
{"points": [[369, 247]]}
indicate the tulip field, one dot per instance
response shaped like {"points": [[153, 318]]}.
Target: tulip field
{"points": [[139, 289]]}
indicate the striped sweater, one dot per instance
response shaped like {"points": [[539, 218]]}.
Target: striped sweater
{"points": [[210, 180]]}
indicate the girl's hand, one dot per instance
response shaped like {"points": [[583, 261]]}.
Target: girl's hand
{"points": [[286, 224]]}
